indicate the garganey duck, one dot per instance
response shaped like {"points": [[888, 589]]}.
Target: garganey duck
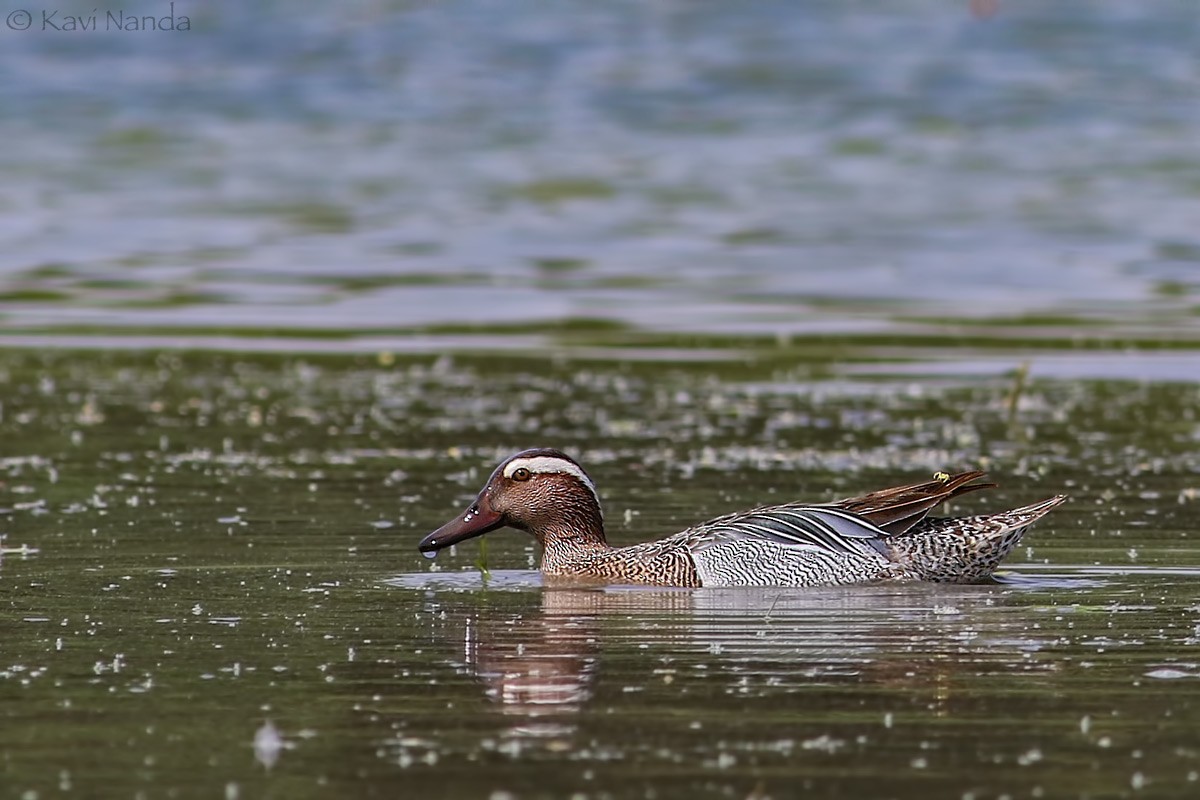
{"points": [[886, 535]]}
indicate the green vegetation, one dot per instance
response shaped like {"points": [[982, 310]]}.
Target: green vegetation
{"points": [[553, 191]]}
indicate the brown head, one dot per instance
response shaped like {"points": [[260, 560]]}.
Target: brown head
{"points": [[542, 492]]}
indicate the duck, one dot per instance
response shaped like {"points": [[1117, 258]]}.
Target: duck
{"points": [[886, 535]]}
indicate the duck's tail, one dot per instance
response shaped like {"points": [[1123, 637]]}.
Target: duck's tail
{"points": [[965, 549]]}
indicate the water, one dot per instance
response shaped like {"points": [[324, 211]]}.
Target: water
{"points": [[279, 291], [918, 689], [223, 596], [385, 170]]}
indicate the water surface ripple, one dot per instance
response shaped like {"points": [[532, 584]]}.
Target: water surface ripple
{"points": [[209, 586], [311, 168]]}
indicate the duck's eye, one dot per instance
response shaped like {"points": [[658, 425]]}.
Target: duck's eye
{"points": [[521, 474]]}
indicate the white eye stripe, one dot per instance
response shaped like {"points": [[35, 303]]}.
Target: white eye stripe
{"points": [[551, 464]]}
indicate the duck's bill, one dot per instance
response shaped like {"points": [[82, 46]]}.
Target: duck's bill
{"points": [[475, 521]]}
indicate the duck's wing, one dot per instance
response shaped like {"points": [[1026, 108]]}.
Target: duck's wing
{"points": [[898, 509], [843, 526], [833, 530]]}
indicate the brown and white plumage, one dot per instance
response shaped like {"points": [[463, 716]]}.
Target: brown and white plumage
{"points": [[884, 535]]}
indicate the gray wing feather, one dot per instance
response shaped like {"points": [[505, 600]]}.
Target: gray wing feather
{"points": [[827, 529]]}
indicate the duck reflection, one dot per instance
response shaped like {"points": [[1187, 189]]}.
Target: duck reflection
{"points": [[542, 667], [534, 666]]}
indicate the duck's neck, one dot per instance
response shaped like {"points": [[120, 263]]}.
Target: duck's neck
{"points": [[565, 547]]}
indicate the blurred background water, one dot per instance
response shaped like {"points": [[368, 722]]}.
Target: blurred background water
{"points": [[735, 252], [765, 166]]}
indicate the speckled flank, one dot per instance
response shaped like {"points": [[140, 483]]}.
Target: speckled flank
{"points": [[747, 562], [965, 549]]}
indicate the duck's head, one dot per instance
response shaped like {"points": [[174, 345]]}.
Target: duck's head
{"points": [[543, 492]]}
